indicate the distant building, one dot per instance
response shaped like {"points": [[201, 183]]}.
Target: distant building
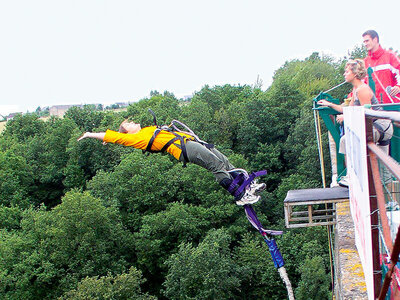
{"points": [[122, 104], [12, 115], [60, 110]]}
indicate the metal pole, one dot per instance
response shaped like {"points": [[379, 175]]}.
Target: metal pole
{"points": [[374, 217], [335, 87]]}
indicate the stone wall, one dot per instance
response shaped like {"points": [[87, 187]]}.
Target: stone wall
{"points": [[349, 274]]}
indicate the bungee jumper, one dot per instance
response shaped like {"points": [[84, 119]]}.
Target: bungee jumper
{"points": [[186, 147]]}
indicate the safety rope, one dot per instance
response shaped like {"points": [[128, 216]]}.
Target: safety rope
{"points": [[318, 131], [383, 88], [321, 150], [319, 143]]}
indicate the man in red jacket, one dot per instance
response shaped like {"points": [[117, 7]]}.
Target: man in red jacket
{"points": [[386, 67]]}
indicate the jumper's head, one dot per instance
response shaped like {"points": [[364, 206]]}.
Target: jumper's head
{"points": [[129, 127]]}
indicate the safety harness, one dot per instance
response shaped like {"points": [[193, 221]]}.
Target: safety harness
{"points": [[174, 129], [242, 180]]}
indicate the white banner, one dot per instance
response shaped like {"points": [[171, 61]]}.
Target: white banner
{"points": [[356, 161]]}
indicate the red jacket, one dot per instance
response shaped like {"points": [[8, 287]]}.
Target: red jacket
{"points": [[386, 67]]}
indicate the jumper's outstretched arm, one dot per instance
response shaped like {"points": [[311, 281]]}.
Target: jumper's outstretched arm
{"points": [[93, 135]]}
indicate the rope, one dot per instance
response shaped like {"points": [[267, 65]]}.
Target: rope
{"points": [[321, 151], [318, 133], [285, 279], [319, 144], [380, 83]]}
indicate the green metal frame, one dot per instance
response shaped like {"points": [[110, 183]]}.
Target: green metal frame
{"points": [[328, 116]]}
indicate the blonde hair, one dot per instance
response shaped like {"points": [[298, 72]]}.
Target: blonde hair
{"points": [[121, 126], [357, 66]]}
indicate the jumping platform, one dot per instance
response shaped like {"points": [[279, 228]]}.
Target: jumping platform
{"points": [[313, 207]]}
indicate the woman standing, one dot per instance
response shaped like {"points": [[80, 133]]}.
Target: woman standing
{"points": [[355, 73]]}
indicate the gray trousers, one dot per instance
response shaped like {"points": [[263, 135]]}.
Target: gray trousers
{"points": [[210, 159]]}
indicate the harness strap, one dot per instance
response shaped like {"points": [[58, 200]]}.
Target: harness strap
{"points": [[156, 132], [184, 152], [234, 186], [237, 190], [177, 137], [169, 144]]}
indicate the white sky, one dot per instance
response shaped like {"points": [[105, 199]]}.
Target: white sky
{"points": [[97, 51]]}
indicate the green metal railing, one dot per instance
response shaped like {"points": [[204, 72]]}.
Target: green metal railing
{"points": [[328, 115]]}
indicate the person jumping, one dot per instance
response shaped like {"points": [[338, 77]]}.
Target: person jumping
{"points": [[186, 148]]}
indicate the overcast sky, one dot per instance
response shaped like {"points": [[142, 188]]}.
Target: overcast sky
{"points": [[94, 51]]}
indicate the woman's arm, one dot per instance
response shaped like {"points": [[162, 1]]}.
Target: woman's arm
{"points": [[364, 94], [93, 135], [336, 107]]}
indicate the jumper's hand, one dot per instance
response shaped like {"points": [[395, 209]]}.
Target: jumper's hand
{"points": [[93, 135], [85, 135], [339, 119]]}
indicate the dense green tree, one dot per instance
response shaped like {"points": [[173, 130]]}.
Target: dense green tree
{"points": [[177, 224], [24, 127], [359, 51], [166, 107], [55, 249], [207, 271], [301, 244], [260, 278], [120, 287], [86, 118], [10, 217], [16, 180], [314, 283], [139, 185], [46, 154], [87, 157]]}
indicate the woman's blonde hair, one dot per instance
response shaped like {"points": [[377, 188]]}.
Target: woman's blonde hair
{"points": [[357, 66]]}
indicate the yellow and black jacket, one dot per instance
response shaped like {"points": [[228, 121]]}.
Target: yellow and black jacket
{"points": [[151, 139]]}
